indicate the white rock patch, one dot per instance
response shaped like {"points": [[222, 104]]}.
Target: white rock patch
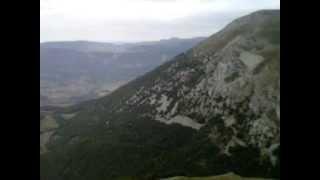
{"points": [[185, 121], [44, 139], [229, 121], [68, 116], [182, 120], [273, 159], [164, 103], [152, 99], [48, 123], [250, 60], [174, 109]]}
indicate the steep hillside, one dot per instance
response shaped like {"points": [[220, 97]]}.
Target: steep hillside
{"points": [[212, 110]]}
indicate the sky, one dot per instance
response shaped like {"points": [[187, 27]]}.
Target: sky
{"points": [[140, 20]]}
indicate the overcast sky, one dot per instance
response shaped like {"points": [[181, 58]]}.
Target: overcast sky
{"points": [[140, 20]]}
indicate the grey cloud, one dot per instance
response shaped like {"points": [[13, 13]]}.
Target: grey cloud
{"points": [[58, 27], [198, 25]]}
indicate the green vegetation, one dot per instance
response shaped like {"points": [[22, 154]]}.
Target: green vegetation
{"points": [[145, 150], [271, 30]]}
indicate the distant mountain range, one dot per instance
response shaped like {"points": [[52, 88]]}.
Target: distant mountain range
{"points": [[76, 71], [211, 110]]}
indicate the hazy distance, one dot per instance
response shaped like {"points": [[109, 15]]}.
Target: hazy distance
{"points": [[140, 20]]}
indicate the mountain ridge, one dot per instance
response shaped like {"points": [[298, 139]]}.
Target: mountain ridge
{"points": [[211, 110]]}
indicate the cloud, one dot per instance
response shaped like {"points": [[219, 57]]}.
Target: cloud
{"points": [[138, 20]]}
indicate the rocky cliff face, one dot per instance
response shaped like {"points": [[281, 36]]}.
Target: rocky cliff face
{"points": [[220, 101]]}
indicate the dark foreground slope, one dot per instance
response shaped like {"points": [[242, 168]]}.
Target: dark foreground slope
{"points": [[228, 176], [212, 110]]}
